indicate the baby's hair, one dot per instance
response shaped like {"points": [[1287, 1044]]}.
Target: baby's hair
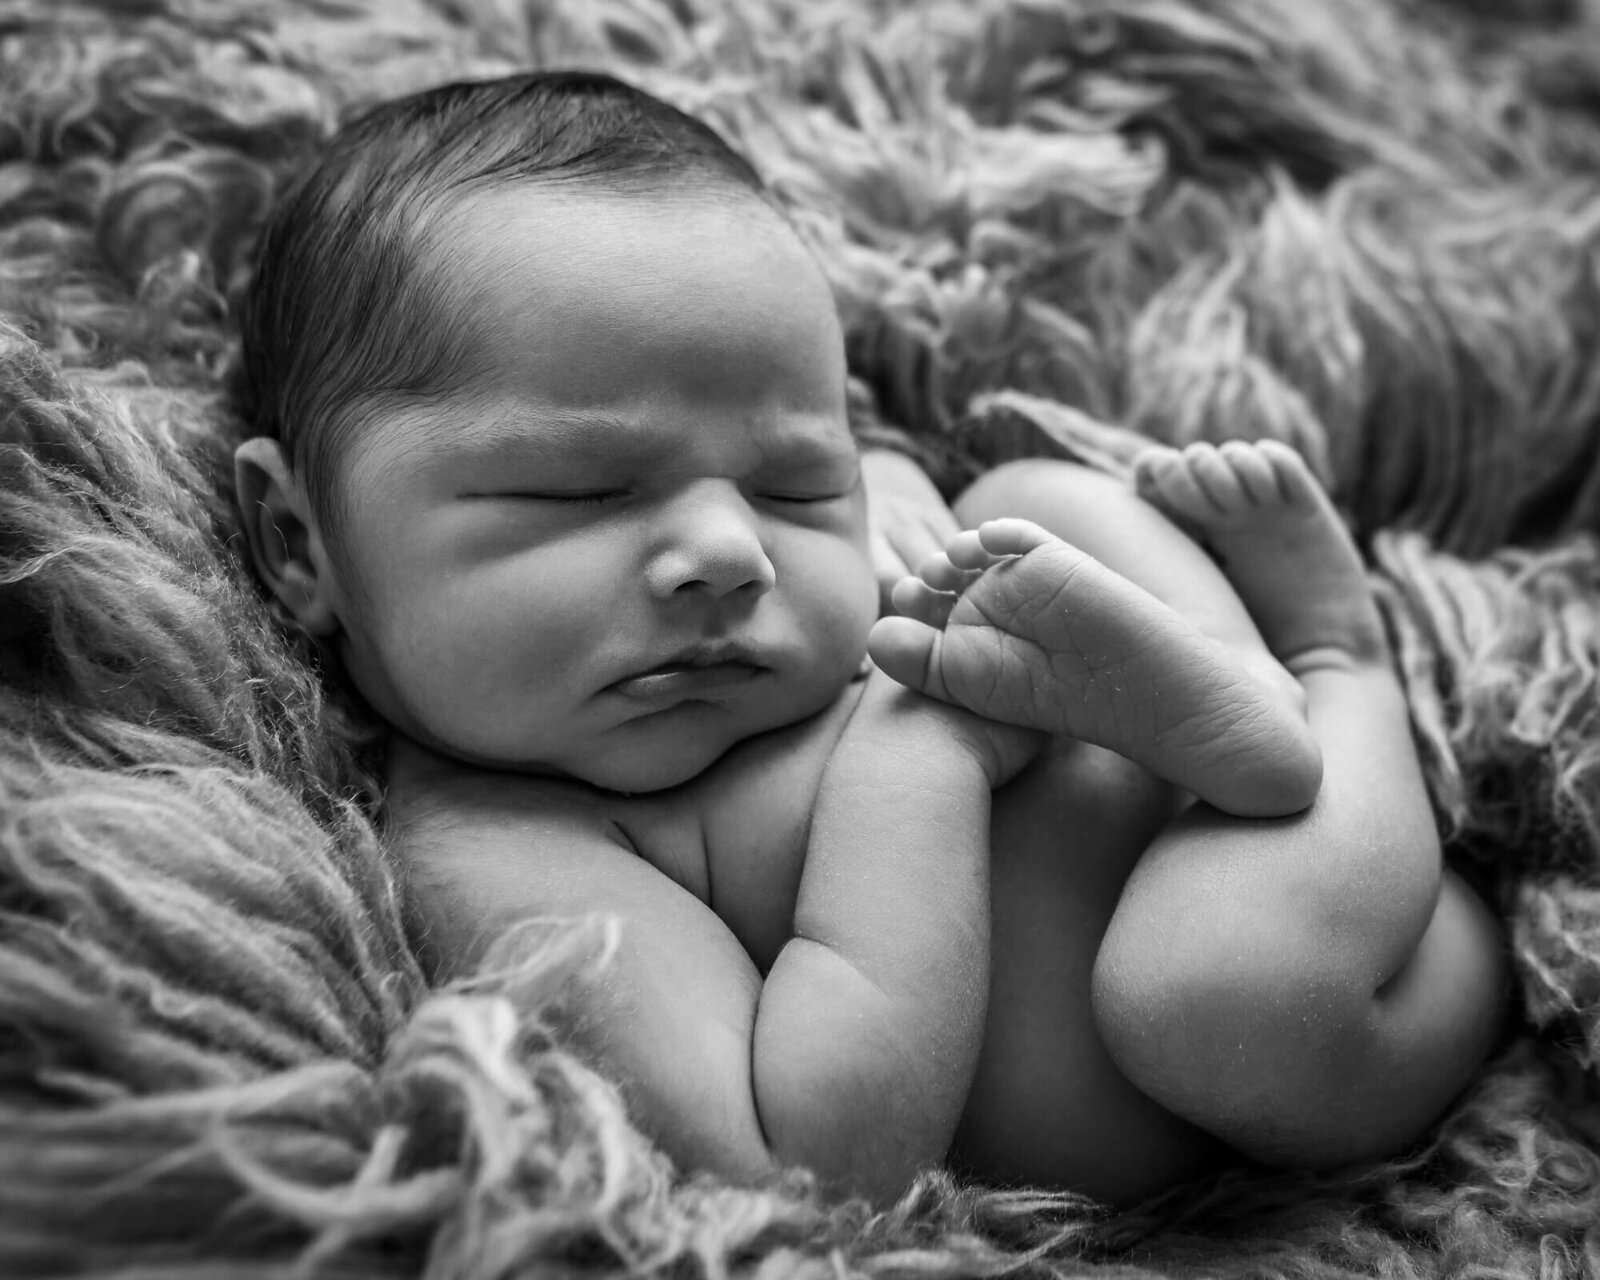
{"points": [[349, 308]]}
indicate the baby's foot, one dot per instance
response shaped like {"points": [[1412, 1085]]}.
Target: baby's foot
{"points": [[1280, 543], [1017, 625]]}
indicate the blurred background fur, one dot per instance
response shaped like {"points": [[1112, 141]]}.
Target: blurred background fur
{"points": [[1370, 228]]}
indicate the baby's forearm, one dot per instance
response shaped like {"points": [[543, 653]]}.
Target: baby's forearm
{"points": [[870, 1019]]}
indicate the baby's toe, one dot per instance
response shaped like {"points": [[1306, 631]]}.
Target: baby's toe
{"points": [[1254, 470], [1292, 477], [968, 553], [942, 574], [1013, 536], [1164, 479], [1215, 478], [1152, 464], [908, 652]]}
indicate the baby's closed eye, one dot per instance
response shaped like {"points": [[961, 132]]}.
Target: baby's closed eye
{"points": [[772, 496], [593, 497], [810, 483]]}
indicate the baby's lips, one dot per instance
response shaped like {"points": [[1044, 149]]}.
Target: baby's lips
{"points": [[679, 681]]}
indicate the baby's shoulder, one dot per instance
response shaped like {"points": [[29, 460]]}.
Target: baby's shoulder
{"points": [[483, 851]]}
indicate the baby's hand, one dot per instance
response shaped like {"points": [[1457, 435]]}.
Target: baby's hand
{"points": [[907, 519], [904, 715]]}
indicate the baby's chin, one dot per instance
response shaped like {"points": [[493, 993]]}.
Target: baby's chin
{"points": [[626, 767], [660, 763], [627, 776], [635, 777]]}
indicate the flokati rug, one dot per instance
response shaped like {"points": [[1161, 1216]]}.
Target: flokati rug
{"points": [[1367, 227]]}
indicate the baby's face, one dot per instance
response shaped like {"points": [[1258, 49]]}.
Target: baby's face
{"points": [[640, 536]]}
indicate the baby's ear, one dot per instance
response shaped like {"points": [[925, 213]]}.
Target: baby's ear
{"points": [[285, 545]]}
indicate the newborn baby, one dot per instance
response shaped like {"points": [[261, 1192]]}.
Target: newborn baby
{"points": [[1106, 860]]}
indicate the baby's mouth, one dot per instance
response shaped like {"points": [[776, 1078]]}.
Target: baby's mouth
{"points": [[699, 673]]}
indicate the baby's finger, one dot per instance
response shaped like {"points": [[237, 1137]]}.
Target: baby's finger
{"points": [[914, 543], [887, 562], [940, 523], [914, 598], [942, 575]]}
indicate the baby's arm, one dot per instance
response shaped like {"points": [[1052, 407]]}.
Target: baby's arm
{"points": [[670, 1014], [855, 1055], [872, 1015]]}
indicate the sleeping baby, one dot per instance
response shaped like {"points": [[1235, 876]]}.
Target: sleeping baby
{"points": [[1105, 860]]}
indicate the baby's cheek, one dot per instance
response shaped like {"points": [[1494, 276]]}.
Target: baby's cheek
{"points": [[866, 590], [855, 605], [468, 648]]}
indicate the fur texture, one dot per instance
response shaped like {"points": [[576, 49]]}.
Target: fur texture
{"points": [[1368, 227]]}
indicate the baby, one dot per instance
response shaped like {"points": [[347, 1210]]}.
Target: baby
{"points": [[1113, 862]]}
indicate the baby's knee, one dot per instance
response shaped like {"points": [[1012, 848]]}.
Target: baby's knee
{"points": [[1224, 1038], [1048, 491]]}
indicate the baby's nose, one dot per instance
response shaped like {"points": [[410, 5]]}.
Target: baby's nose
{"points": [[714, 546]]}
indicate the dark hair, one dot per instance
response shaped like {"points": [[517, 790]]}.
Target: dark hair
{"points": [[345, 311]]}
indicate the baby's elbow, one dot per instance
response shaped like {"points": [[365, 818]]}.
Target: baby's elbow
{"points": [[858, 1111], [876, 1153]]}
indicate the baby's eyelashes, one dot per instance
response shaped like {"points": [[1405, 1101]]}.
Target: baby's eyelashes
{"points": [[593, 498], [803, 497], [796, 497], [579, 497]]}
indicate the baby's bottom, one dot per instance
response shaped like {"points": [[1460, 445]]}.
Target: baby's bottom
{"points": [[1169, 982]]}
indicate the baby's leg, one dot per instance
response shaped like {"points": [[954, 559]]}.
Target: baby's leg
{"points": [[1312, 989], [1020, 626]]}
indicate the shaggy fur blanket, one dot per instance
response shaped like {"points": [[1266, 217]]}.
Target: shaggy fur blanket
{"points": [[1367, 227]]}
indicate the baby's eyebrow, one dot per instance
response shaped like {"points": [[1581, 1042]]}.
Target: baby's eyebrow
{"points": [[810, 460], [522, 434], [553, 433], [806, 451]]}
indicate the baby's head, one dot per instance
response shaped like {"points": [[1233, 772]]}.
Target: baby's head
{"points": [[554, 447]]}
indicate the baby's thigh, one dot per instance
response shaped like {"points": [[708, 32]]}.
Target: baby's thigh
{"points": [[1103, 516], [1047, 1104]]}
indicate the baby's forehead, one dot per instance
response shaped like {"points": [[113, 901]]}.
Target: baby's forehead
{"points": [[515, 435], [537, 222], [515, 252]]}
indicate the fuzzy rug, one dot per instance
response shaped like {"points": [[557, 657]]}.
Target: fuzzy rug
{"points": [[1368, 227]]}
